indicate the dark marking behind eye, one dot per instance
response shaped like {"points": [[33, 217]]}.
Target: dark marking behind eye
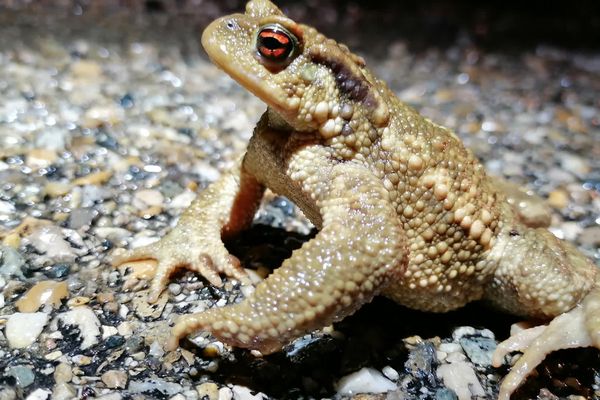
{"points": [[355, 87]]}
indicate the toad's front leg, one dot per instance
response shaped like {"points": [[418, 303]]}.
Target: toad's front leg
{"points": [[359, 249], [223, 209], [540, 276]]}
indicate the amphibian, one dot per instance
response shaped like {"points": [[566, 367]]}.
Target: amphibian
{"points": [[402, 208]]}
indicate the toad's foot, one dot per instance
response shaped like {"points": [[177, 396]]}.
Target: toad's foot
{"points": [[175, 251], [579, 327], [224, 208]]}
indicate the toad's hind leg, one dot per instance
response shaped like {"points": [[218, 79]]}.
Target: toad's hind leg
{"points": [[542, 277], [325, 280]]}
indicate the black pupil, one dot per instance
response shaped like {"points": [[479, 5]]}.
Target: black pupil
{"points": [[272, 43], [275, 44]]}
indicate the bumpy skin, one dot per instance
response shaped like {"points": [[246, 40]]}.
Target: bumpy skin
{"points": [[403, 210]]}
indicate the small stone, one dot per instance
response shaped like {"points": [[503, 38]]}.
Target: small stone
{"points": [[558, 199], [63, 391], [22, 329], [78, 301], [87, 322], [53, 356], [365, 380], [57, 271], [49, 239], [108, 331], [12, 240], [86, 70], [11, 262], [174, 288], [40, 158], [478, 349], [445, 394], [125, 329], [63, 373], [114, 379], [23, 375], [143, 309], [43, 293], [390, 373], [225, 393], [243, 393], [112, 234], [150, 385], [150, 197], [110, 396], [421, 362], [208, 391], [81, 359], [57, 189], [95, 178], [590, 236], [39, 394], [81, 217], [461, 378]]}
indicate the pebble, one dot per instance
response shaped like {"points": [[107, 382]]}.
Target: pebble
{"points": [[23, 375], [63, 391], [63, 373], [87, 322], [208, 391], [95, 178], [478, 349], [110, 396], [114, 379], [43, 293], [49, 240], [243, 393], [150, 197], [57, 271], [365, 380], [390, 373], [81, 217], [445, 394], [149, 310], [11, 262], [558, 199], [421, 363], [151, 385], [590, 236], [225, 393], [39, 394], [460, 377], [22, 329]]}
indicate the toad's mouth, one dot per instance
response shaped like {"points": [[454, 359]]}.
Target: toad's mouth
{"points": [[250, 74]]}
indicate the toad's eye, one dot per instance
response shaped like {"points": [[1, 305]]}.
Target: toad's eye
{"points": [[275, 44]]}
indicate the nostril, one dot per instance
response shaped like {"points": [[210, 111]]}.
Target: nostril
{"points": [[230, 24]]}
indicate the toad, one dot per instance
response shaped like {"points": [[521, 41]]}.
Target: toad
{"points": [[403, 209]]}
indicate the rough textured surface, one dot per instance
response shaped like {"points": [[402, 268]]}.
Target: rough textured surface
{"points": [[110, 122], [402, 207]]}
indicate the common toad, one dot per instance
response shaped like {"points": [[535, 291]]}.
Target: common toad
{"points": [[403, 209]]}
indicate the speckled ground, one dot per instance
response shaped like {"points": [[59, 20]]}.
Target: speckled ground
{"points": [[110, 121]]}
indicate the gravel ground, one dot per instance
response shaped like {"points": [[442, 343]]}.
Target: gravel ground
{"points": [[109, 124]]}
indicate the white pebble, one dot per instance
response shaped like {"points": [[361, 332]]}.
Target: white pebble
{"points": [[225, 394], [243, 393], [22, 329], [39, 394], [365, 380], [390, 373], [461, 378], [87, 322]]}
